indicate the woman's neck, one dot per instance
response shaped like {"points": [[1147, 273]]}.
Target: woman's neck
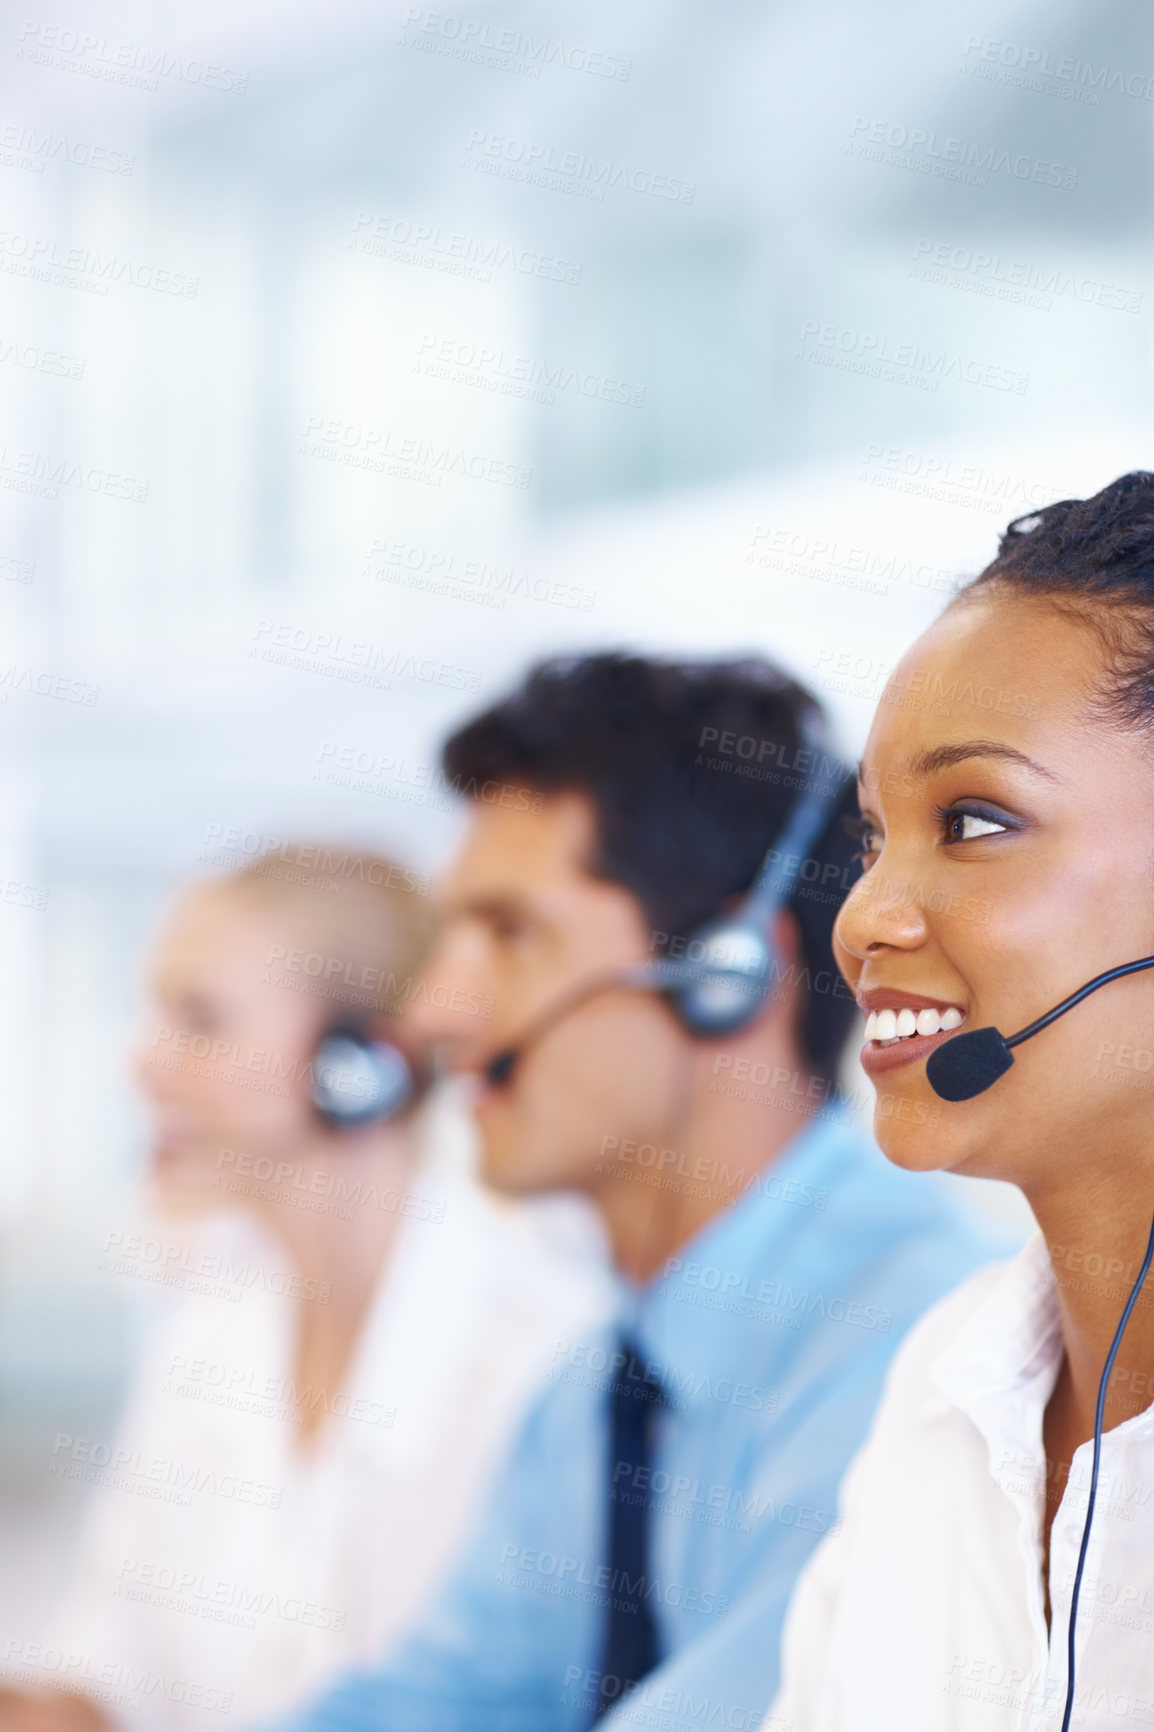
{"points": [[1096, 1238], [339, 1225], [1097, 1241]]}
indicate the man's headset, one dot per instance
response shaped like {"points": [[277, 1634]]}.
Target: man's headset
{"points": [[731, 962], [358, 1080]]}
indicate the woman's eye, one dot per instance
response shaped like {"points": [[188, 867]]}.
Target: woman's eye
{"points": [[968, 826], [508, 930], [868, 836], [197, 1016]]}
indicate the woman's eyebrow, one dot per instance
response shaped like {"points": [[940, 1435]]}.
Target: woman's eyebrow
{"points": [[493, 907], [945, 757], [928, 763]]}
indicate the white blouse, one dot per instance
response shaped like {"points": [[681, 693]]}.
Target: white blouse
{"points": [[924, 1612], [224, 1575]]}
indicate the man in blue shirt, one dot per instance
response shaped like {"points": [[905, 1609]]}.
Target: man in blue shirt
{"points": [[637, 1557]]}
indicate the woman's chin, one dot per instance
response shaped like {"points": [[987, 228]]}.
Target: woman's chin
{"points": [[913, 1142], [932, 1144], [180, 1183]]}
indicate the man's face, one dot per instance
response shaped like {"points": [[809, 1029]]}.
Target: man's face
{"points": [[525, 924]]}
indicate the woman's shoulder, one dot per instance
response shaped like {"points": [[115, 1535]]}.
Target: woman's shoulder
{"points": [[548, 1253], [225, 1301]]}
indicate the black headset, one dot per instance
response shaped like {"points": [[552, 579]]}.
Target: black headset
{"points": [[358, 1080], [731, 962]]}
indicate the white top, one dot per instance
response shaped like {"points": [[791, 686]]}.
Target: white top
{"points": [[224, 1574], [924, 1612]]}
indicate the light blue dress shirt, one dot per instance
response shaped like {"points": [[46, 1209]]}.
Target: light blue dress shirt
{"points": [[770, 1333]]}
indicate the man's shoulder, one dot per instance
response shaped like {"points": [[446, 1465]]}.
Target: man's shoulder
{"points": [[575, 1384], [888, 1211], [883, 1247]]}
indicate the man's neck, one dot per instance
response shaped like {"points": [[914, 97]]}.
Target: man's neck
{"points": [[654, 1198]]}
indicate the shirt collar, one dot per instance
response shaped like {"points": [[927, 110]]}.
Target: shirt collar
{"points": [[1009, 1347]]}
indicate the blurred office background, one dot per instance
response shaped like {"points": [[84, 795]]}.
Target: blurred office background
{"points": [[352, 355]]}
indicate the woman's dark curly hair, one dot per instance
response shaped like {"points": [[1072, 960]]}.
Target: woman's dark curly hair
{"points": [[1094, 558]]}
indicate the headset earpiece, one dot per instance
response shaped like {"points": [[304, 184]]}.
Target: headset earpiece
{"points": [[359, 1081], [726, 978], [731, 962]]}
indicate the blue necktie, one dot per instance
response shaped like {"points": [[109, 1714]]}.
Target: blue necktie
{"points": [[630, 1644]]}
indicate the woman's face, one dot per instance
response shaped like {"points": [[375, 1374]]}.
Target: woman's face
{"points": [[223, 1058], [1009, 856]]}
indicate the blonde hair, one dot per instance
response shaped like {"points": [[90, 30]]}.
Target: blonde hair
{"points": [[362, 922]]}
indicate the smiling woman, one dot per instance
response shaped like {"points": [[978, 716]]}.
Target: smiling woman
{"points": [[1008, 854]]}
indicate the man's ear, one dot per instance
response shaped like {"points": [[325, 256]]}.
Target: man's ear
{"points": [[787, 944]]}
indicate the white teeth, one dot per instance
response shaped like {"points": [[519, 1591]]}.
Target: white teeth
{"points": [[886, 1026]]}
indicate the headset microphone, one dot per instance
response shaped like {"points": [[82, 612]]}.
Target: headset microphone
{"points": [[971, 1063], [500, 1067], [645, 977]]}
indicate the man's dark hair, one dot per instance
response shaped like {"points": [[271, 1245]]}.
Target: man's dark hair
{"points": [[693, 769], [1093, 558]]}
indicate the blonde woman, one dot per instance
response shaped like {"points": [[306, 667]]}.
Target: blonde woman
{"points": [[356, 1327]]}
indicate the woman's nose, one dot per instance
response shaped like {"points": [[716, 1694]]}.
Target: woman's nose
{"points": [[883, 910], [148, 1075]]}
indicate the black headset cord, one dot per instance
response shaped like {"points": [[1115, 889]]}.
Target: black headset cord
{"points": [[1098, 1419]]}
